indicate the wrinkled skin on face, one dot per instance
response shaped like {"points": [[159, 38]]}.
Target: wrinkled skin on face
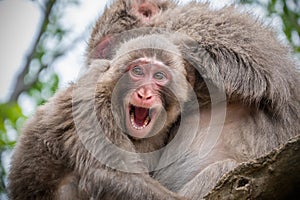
{"points": [[143, 105]]}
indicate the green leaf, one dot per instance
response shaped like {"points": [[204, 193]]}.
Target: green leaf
{"points": [[10, 111]]}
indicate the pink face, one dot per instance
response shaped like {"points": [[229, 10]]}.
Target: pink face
{"points": [[145, 104]]}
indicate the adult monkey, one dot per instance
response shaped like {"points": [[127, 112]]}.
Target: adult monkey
{"points": [[73, 149], [232, 51]]}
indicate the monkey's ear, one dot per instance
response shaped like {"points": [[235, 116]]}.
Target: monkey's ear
{"points": [[104, 48], [145, 9]]}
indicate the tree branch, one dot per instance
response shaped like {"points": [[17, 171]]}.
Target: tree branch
{"points": [[20, 86], [275, 176]]}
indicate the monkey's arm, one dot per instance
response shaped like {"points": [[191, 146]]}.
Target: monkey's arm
{"points": [[207, 179], [238, 54], [38, 163], [108, 184]]}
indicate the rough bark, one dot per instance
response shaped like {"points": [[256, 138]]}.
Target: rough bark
{"points": [[275, 176]]}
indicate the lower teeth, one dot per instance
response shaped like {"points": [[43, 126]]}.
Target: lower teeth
{"points": [[138, 127]]}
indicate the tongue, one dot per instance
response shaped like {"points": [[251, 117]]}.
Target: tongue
{"points": [[140, 115]]}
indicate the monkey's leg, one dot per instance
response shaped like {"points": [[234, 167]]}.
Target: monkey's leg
{"points": [[206, 180]]}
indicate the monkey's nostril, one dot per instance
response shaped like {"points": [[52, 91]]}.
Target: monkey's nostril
{"points": [[140, 96], [144, 97]]}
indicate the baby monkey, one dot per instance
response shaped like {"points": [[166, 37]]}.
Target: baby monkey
{"points": [[84, 142]]}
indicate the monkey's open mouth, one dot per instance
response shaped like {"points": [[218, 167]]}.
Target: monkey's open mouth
{"points": [[139, 117]]}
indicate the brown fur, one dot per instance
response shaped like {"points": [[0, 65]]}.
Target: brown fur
{"points": [[117, 18], [235, 54], [65, 150]]}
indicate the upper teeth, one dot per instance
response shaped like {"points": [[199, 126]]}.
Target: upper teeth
{"points": [[138, 127]]}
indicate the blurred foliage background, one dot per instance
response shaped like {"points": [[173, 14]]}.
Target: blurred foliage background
{"points": [[38, 81]]}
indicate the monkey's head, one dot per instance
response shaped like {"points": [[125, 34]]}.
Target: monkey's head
{"points": [[119, 17], [152, 85]]}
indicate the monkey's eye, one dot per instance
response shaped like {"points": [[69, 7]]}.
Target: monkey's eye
{"points": [[137, 71], [159, 76]]}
